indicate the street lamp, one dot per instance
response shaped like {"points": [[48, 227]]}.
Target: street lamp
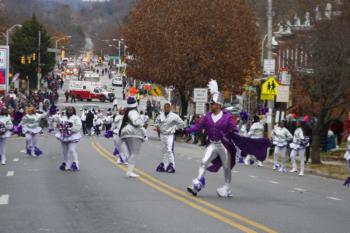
{"points": [[56, 44], [10, 29]]}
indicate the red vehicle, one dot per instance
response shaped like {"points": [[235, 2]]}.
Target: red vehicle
{"points": [[85, 90]]}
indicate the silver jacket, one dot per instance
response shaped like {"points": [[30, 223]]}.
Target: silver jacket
{"points": [[75, 120], [134, 127], [256, 130], [170, 123], [281, 136], [298, 136], [32, 120]]}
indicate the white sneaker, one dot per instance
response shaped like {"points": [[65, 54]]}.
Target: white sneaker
{"points": [[275, 167], [293, 170], [282, 169], [301, 174], [260, 164], [224, 191], [132, 175], [3, 162], [246, 161]]}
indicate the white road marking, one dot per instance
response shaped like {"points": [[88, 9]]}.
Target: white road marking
{"points": [[15, 159], [273, 182], [23, 151], [235, 171], [4, 199], [334, 198], [252, 176], [291, 191], [300, 189], [10, 173]]}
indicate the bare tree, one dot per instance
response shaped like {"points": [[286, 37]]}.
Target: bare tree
{"points": [[324, 89]]}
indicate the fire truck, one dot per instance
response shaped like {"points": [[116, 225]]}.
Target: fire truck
{"points": [[86, 90]]}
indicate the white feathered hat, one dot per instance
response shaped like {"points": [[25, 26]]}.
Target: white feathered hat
{"points": [[216, 96]]}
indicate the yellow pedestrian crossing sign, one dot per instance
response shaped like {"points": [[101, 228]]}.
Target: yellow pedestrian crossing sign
{"points": [[156, 91], [269, 89]]}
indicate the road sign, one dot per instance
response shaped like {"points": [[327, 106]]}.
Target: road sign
{"points": [[282, 94], [200, 95], [156, 91], [269, 66], [200, 108], [269, 89]]}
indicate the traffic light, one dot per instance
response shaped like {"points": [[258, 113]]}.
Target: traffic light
{"points": [[29, 58], [34, 56], [23, 60]]}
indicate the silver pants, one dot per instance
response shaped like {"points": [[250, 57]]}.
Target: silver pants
{"points": [[31, 140], [133, 146], [70, 148], [212, 151]]}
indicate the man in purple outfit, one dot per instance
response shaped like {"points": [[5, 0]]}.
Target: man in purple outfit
{"points": [[223, 137]]}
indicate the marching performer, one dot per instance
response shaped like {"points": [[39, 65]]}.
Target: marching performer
{"points": [[120, 149], [256, 131], [31, 129], [167, 123], [132, 133], [69, 134], [5, 132], [221, 150], [298, 146], [280, 138], [53, 118], [347, 157]]}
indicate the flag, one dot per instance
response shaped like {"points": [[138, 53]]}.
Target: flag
{"points": [[15, 77]]}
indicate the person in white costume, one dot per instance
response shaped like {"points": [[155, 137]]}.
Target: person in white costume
{"points": [[256, 131], [298, 146], [280, 138], [167, 123], [5, 132], [132, 133], [69, 134], [31, 129], [120, 148]]}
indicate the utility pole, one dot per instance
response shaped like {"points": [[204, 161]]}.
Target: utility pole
{"points": [[270, 103], [39, 69], [269, 29]]}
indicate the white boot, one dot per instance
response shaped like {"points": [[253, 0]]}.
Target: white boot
{"points": [[3, 160], [260, 164], [130, 172], [224, 191], [293, 170]]}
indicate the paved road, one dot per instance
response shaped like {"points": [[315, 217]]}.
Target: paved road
{"points": [[36, 197]]}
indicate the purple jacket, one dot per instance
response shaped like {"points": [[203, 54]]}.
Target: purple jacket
{"points": [[216, 131], [225, 130]]}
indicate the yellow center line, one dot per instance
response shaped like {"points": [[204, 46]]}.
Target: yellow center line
{"points": [[177, 197], [200, 201]]}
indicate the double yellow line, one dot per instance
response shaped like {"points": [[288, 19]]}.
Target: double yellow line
{"points": [[205, 207]]}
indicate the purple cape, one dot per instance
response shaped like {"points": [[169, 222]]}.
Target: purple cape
{"points": [[253, 146]]}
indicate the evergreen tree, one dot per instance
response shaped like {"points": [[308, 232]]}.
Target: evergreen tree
{"points": [[25, 44]]}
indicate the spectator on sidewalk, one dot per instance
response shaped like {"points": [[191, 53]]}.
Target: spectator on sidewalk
{"points": [[66, 94]]}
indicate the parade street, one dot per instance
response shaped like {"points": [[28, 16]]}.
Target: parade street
{"points": [[35, 196]]}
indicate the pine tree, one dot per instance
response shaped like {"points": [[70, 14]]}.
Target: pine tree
{"points": [[25, 43]]}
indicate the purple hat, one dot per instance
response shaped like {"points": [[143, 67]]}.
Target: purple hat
{"points": [[131, 101]]}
